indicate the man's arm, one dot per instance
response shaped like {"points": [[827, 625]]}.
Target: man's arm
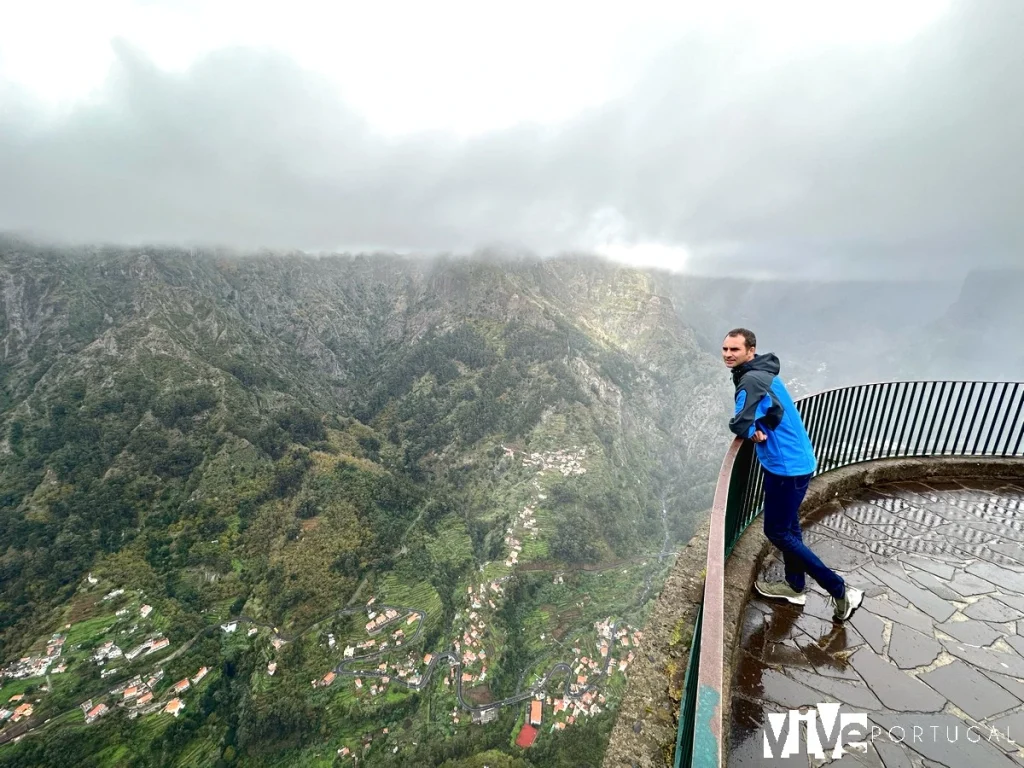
{"points": [[749, 407]]}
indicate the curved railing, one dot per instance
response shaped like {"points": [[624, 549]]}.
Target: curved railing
{"points": [[847, 426]]}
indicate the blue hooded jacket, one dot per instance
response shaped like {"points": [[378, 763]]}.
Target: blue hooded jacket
{"points": [[762, 402]]}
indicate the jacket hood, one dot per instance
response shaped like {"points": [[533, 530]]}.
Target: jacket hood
{"points": [[767, 362]]}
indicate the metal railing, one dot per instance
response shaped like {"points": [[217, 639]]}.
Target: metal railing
{"points": [[846, 426]]}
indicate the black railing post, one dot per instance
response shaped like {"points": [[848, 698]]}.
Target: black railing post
{"points": [[984, 418], [963, 419], [1011, 422], [928, 447], [890, 425], [995, 418], [878, 419], [906, 422], [956, 410]]}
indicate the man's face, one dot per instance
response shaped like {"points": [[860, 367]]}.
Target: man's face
{"points": [[736, 352]]}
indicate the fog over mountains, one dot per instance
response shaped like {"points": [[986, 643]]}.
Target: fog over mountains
{"points": [[807, 142]]}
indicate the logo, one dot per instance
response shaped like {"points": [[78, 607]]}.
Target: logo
{"points": [[825, 728]]}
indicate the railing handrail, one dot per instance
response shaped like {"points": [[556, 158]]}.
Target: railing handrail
{"points": [[707, 732], [848, 425], [901, 381]]}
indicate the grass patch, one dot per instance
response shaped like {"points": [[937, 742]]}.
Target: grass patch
{"points": [[90, 630]]}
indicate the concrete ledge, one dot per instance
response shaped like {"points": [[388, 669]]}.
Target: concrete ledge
{"points": [[644, 734]]}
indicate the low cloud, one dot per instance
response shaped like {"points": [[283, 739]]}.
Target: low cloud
{"points": [[880, 159]]}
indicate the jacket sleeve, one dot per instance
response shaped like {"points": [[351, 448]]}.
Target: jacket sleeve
{"points": [[748, 399]]}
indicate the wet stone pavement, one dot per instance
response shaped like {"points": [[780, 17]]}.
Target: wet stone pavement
{"points": [[935, 656]]}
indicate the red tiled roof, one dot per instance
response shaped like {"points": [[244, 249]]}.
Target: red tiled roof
{"points": [[526, 736], [535, 712]]}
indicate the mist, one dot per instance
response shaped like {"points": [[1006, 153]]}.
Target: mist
{"points": [[723, 156]]}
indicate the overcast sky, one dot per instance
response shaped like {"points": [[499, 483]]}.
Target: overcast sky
{"points": [[753, 138]]}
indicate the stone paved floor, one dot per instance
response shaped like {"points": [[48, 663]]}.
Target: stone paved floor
{"points": [[937, 647]]}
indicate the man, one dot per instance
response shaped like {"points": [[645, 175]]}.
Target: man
{"points": [[765, 413]]}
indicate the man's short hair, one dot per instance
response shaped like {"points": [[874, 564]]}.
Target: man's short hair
{"points": [[748, 336]]}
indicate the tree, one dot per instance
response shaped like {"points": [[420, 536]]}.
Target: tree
{"points": [[575, 539]]}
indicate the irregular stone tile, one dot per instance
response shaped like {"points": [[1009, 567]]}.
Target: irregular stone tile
{"points": [[971, 632], [875, 590], [910, 649], [781, 625], [1010, 581], [935, 742], [749, 676], [987, 609], [895, 598], [856, 695], [951, 512], [970, 690], [891, 567], [942, 570], [1004, 529], [837, 665], [908, 485], [908, 616], [813, 627], [870, 628], [1017, 601], [944, 485], [994, 661], [867, 581], [922, 599], [819, 605], [893, 755], [839, 557], [843, 639], [1016, 642], [1008, 732], [747, 714], [1001, 561], [786, 654], [868, 759], [790, 694], [1009, 549], [896, 690], [984, 484], [935, 586], [1016, 687], [963, 534]]}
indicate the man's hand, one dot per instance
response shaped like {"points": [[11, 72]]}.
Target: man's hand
{"points": [[759, 436]]}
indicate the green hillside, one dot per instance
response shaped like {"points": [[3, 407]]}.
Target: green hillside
{"points": [[269, 442]]}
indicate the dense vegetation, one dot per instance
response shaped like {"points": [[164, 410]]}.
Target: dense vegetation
{"points": [[276, 437]]}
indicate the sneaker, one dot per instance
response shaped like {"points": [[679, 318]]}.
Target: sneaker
{"points": [[848, 603], [780, 590]]}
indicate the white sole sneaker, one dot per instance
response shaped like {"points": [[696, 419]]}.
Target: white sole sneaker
{"points": [[794, 599], [854, 598]]}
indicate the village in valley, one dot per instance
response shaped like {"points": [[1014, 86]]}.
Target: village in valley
{"points": [[137, 678], [381, 657]]}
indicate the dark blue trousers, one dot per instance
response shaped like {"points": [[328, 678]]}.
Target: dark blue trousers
{"points": [[782, 498]]}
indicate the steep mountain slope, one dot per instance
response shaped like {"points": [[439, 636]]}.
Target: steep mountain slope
{"points": [[274, 438]]}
